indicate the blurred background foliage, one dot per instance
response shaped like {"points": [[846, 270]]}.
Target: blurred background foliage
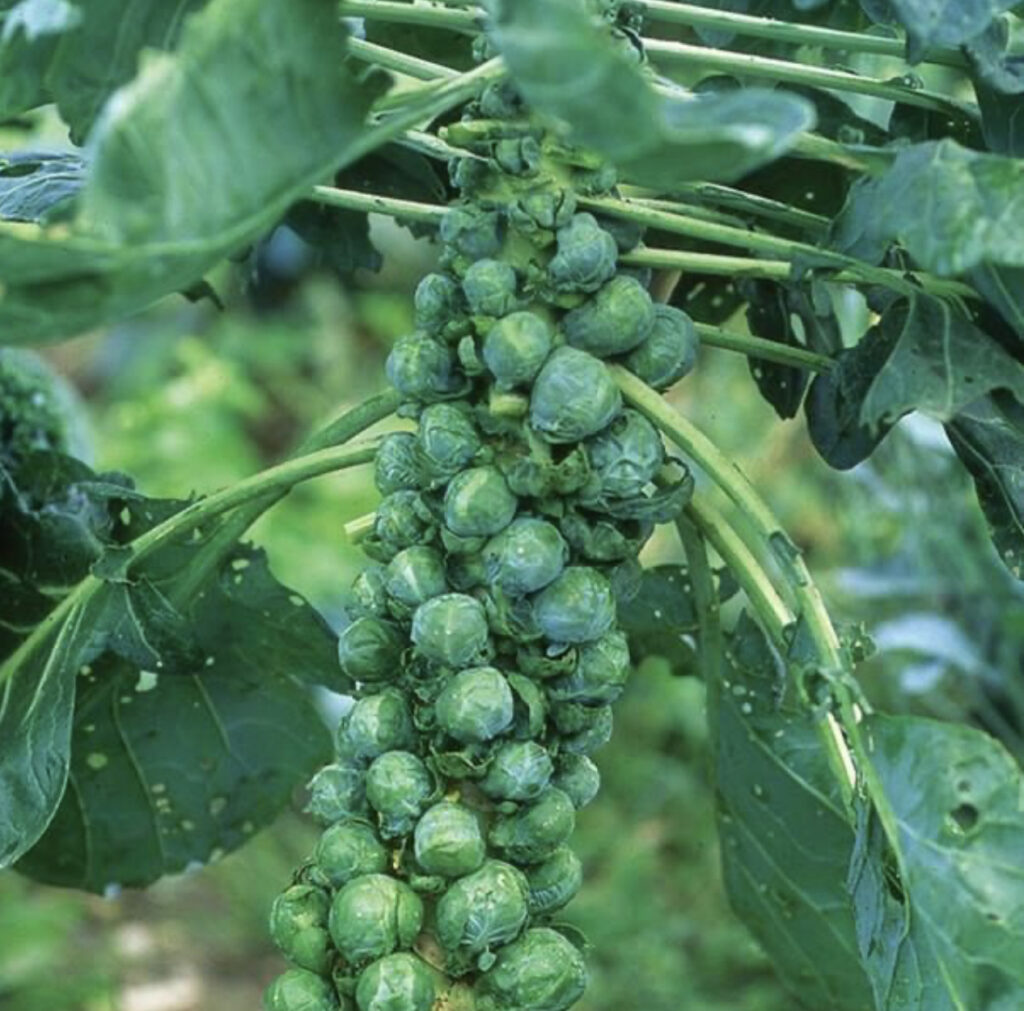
{"points": [[187, 398]]}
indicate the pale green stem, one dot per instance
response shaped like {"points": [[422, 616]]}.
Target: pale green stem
{"points": [[412, 14], [402, 63], [357, 530], [354, 200], [758, 347]]}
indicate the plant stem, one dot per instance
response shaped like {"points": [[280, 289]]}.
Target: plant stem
{"points": [[785, 31], [357, 530], [779, 270], [789, 72], [392, 59], [758, 347], [412, 14], [354, 200], [351, 422]]}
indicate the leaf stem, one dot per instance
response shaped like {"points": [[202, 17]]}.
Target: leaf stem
{"points": [[427, 15], [789, 72], [371, 203], [758, 347], [403, 63]]}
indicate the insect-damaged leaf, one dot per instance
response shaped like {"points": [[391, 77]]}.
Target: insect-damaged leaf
{"points": [[568, 67], [36, 187], [660, 619]]}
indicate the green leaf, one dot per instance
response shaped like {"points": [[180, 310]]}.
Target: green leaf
{"points": [[36, 187], [939, 920], [988, 436], [786, 839], [934, 23], [568, 67], [952, 209], [158, 211], [660, 621]]}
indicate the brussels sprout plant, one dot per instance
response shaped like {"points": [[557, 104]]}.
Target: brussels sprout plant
{"points": [[608, 189]]}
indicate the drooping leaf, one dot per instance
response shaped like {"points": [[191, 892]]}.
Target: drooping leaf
{"points": [[934, 23], [660, 621], [786, 839], [37, 187], [988, 436], [197, 157], [998, 79], [939, 920], [952, 209], [568, 67]]}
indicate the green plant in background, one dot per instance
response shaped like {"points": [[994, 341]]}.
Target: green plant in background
{"points": [[597, 219]]}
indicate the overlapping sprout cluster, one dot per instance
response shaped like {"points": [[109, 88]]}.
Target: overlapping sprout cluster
{"points": [[484, 638]]}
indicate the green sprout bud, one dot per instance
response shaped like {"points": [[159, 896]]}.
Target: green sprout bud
{"points": [[483, 910], [423, 369], [298, 926], [626, 455], [516, 347], [668, 352], [500, 101], [413, 576], [585, 258], [373, 916], [337, 792], [479, 502], [300, 990], [614, 321], [520, 770], [448, 841], [369, 595], [525, 557], [401, 521], [437, 300], [600, 674], [579, 778], [451, 629], [448, 440], [376, 724], [578, 606], [398, 786], [349, 850], [574, 397], [536, 830], [490, 287], [546, 208], [595, 727], [476, 705], [400, 982], [472, 231], [369, 650], [554, 883], [542, 971], [396, 467]]}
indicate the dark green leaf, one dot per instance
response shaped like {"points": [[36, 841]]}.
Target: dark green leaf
{"points": [[38, 187], [933, 23], [660, 621], [998, 80], [567, 66], [1003, 288], [988, 436]]}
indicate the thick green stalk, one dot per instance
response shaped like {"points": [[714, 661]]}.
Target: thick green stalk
{"points": [[427, 15], [758, 347], [402, 63]]}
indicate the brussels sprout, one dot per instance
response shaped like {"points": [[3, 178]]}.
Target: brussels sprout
{"points": [[585, 258], [579, 778], [472, 231], [374, 915], [542, 971], [531, 707], [527, 555], [490, 287], [603, 539], [516, 347], [520, 770], [500, 101], [34, 408], [577, 607], [626, 455], [595, 727], [555, 882], [375, 724], [479, 502], [448, 841], [600, 674], [348, 850], [517, 155], [437, 300], [536, 830], [547, 208], [451, 629], [398, 786], [483, 909], [399, 982], [369, 650], [573, 397], [298, 926], [401, 521], [476, 705], [422, 369], [336, 792], [614, 321], [540, 663], [448, 440], [396, 466], [668, 352], [415, 575], [369, 596], [627, 234], [300, 990]]}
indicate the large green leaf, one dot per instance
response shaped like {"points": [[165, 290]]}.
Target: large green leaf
{"points": [[193, 160], [660, 620], [786, 840], [932, 23], [568, 67], [29, 37], [37, 187], [952, 209], [940, 918]]}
